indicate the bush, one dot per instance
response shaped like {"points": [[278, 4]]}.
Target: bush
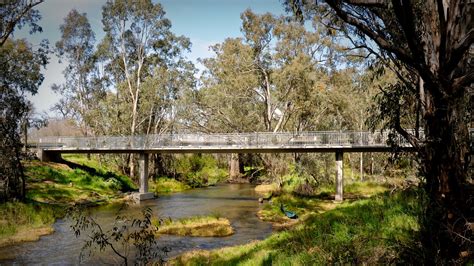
{"points": [[199, 170]]}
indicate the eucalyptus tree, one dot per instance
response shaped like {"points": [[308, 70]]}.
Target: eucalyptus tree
{"points": [[137, 49], [20, 74], [226, 101], [17, 14], [429, 44], [77, 48], [273, 79]]}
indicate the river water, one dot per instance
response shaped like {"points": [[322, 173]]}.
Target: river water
{"points": [[237, 202]]}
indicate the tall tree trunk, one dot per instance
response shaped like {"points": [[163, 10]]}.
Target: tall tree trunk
{"points": [[351, 164], [371, 164], [25, 134], [447, 229], [131, 164], [159, 165], [361, 166]]}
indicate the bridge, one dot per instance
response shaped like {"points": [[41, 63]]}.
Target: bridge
{"points": [[51, 148]]}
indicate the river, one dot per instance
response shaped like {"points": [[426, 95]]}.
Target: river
{"points": [[237, 202]]}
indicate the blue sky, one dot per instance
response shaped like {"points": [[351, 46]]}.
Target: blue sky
{"points": [[205, 22]]}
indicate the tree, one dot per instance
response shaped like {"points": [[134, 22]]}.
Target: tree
{"points": [[17, 14], [279, 77], [429, 45], [79, 93], [226, 102], [19, 74], [138, 46]]}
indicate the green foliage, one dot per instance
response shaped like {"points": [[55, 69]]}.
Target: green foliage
{"points": [[79, 93], [17, 216], [15, 14], [378, 230], [20, 73], [199, 170], [298, 181], [125, 233]]}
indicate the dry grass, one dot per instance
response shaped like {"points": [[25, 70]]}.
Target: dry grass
{"points": [[266, 188], [25, 234], [197, 226]]}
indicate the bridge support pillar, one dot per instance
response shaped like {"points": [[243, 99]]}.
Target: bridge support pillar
{"points": [[143, 174], [339, 176]]}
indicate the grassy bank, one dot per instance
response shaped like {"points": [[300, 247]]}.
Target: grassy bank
{"points": [[20, 222], [73, 183], [207, 226], [51, 187], [377, 230], [320, 201], [165, 185]]}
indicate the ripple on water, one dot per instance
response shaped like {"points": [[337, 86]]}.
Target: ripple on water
{"points": [[237, 202]]}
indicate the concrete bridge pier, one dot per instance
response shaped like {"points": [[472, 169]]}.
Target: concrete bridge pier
{"points": [[143, 193], [339, 176]]}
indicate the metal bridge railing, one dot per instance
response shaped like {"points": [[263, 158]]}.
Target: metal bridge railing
{"points": [[244, 140]]}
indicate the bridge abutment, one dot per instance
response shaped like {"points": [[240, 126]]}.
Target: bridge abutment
{"points": [[339, 176], [48, 156], [143, 193]]}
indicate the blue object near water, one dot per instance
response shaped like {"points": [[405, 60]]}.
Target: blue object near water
{"points": [[288, 214]]}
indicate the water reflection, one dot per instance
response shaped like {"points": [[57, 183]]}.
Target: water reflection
{"points": [[236, 202]]}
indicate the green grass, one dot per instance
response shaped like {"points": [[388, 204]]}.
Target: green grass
{"points": [[353, 188], [60, 184], [321, 200], [370, 231], [300, 205], [23, 221], [93, 162], [96, 168], [50, 186], [203, 226], [167, 185]]}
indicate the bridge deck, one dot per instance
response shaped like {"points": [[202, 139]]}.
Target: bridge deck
{"points": [[224, 143]]}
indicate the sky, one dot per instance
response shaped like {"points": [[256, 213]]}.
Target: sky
{"points": [[204, 22]]}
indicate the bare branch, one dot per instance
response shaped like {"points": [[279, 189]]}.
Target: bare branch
{"points": [[367, 3], [377, 38]]}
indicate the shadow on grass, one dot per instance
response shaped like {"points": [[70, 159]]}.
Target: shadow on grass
{"points": [[50, 194], [125, 184]]}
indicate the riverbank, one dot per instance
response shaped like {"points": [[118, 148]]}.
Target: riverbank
{"points": [[22, 222], [377, 230], [321, 201], [236, 202], [50, 189], [202, 226], [75, 180]]}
